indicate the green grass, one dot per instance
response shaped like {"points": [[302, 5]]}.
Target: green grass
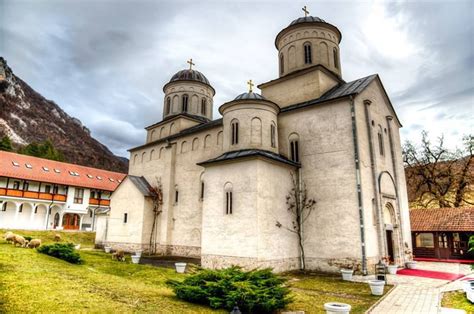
{"points": [[457, 300], [33, 282], [86, 239]]}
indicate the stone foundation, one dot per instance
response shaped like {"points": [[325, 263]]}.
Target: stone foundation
{"points": [[221, 261], [172, 250]]}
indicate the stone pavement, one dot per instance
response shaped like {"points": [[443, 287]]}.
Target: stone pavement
{"points": [[416, 294]]}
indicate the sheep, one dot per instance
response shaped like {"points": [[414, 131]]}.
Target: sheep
{"points": [[119, 255], [57, 237], [17, 239], [9, 236], [34, 243]]}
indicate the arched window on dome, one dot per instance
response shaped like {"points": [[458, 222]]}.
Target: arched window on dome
{"points": [[184, 104], [308, 57], [168, 105], [234, 132], [336, 61], [203, 106], [273, 134], [282, 64]]}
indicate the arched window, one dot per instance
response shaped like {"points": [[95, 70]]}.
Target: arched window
{"points": [[235, 132], [308, 58], [380, 139], [294, 148], [176, 194], [282, 64], [336, 63], [202, 190], [184, 105], [203, 106], [168, 105], [228, 198], [273, 134]]}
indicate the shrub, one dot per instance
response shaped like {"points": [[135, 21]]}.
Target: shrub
{"points": [[64, 251], [256, 291], [27, 238]]}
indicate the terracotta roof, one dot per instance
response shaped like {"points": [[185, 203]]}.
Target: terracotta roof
{"points": [[43, 170], [442, 219]]}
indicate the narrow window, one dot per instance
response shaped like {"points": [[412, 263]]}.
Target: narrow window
{"points": [[294, 151], [36, 209], [185, 103], [272, 135], [336, 63], [47, 189], [16, 185], [4, 207], [176, 196], [20, 210], [228, 207], [78, 196], [99, 195], [202, 190], [92, 194], [235, 132], [203, 106], [380, 139], [26, 185], [168, 105], [282, 64], [55, 189], [90, 213], [125, 218], [307, 54]]}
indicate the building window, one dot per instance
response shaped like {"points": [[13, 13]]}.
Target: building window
{"points": [[380, 139], [4, 207], [90, 213], [228, 198], [20, 210], [308, 58], [78, 196], [336, 63], [273, 135], [184, 105], [55, 189], [176, 196], [235, 132], [47, 189], [125, 218], [36, 209], [294, 151], [16, 185], [282, 64], [425, 240], [92, 194], [168, 105], [202, 190], [26, 185], [203, 106]]}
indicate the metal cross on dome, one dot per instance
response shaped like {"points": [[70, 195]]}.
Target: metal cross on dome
{"points": [[250, 84], [190, 61], [306, 12]]}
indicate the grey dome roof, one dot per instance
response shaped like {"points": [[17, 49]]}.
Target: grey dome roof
{"points": [[307, 19], [190, 75], [250, 95]]}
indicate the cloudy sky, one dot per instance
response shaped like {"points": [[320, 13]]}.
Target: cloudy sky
{"points": [[105, 62]]}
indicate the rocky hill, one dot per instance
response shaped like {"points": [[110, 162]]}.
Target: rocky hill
{"points": [[26, 116]]}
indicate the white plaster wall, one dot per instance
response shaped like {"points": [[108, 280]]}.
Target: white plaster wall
{"points": [[196, 92], [79, 208]]}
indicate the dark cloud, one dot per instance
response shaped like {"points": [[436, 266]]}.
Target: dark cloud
{"points": [[106, 62]]}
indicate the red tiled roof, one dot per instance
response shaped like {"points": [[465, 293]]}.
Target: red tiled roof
{"points": [[442, 219], [43, 170]]}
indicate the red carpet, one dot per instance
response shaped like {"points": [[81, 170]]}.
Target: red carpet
{"points": [[460, 261], [429, 274]]}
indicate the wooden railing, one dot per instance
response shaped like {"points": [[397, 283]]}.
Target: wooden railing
{"points": [[32, 194], [96, 201]]}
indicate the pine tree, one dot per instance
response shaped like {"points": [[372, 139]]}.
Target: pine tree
{"points": [[6, 144]]}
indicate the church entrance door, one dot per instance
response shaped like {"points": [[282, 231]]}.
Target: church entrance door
{"points": [[390, 245]]}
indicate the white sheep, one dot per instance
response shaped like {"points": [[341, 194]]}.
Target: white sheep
{"points": [[17, 239], [9, 236], [34, 243]]}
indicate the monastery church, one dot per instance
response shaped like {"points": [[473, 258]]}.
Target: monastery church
{"points": [[225, 182]]}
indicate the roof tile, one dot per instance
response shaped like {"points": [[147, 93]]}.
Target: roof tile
{"points": [[442, 219]]}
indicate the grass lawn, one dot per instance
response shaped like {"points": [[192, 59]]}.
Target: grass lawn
{"points": [[33, 282], [457, 300]]}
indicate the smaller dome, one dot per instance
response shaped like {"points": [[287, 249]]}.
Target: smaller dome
{"points": [[190, 75], [308, 19], [250, 95]]}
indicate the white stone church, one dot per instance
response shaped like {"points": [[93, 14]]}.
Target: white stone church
{"points": [[225, 181]]}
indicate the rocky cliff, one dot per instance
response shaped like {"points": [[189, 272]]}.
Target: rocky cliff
{"points": [[26, 116]]}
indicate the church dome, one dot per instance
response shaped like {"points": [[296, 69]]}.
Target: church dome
{"points": [[190, 75], [250, 96], [307, 19]]}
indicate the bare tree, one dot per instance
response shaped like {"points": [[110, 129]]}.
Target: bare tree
{"points": [[438, 177], [156, 192], [300, 207]]}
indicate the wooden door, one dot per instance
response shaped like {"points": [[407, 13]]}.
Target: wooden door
{"points": [[443, 245], [71, 222]]}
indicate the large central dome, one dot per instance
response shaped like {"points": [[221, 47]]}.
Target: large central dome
{"points": [[190, 75]]}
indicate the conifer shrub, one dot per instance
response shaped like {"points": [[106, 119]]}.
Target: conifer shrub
{"points": [[64, 251], [255, 291]]}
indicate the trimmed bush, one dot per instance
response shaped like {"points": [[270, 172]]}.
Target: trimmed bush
{"points": [[27, 238], [256, 291], [64, 251]]}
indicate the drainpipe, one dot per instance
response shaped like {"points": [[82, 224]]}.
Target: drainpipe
{"points": [[373, 166], [359, 188]]}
